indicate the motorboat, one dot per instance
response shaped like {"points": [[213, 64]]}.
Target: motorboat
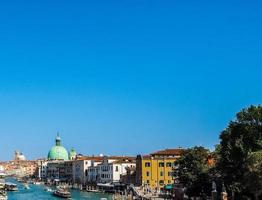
{"points": [[11, 187], [2, 184], [3, 195], [2, 180], [62, 193]]}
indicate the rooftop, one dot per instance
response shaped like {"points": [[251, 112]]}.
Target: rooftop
{"points": [[168, 152], [125, 160], [94, 158]]}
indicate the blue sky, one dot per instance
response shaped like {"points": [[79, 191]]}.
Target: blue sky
{"points": [[125, 77]]}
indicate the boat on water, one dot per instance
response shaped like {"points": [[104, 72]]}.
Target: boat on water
{"points": [[2, 184], [2, 180], [3, 195], [37, 183], [62, 193], [11, 187]]}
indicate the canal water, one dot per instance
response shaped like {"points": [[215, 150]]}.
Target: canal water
{"points": [[37, 192]]}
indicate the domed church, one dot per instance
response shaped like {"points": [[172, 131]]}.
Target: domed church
{"points": [[58, 152]]}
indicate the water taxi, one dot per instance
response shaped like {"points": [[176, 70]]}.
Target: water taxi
{"points": [[11, 186], [62, 193]]}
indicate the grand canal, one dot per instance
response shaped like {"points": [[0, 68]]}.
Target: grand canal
{"points": [[37, 192]]}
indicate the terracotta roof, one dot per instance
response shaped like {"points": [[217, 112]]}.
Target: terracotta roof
{"points": [[168, 152], [122, 157], [147, 156], [95, 158], [100, 158], [124, 161]]}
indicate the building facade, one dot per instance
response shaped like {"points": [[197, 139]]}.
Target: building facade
{"points": [[42, 169], [113, 168], [81, 168], [157, 169], [21, 168], [92, 174]]}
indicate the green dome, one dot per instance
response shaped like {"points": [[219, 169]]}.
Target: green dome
{"points": [[57, 152], [72, 154]]}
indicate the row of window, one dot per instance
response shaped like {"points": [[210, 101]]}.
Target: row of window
{"points": [[92, 169], [161, 164], [107, 168], [105, 175], [161, 182], [170, 174]]}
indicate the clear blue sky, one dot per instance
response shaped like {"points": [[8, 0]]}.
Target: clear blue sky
{"points": [[127, 76]]}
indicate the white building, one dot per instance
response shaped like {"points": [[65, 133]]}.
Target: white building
{"points": [[80, 168], [88, 170], [92, 174], [111, 169]]}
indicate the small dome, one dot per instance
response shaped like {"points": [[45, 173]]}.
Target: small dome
{"points": [[57, 152], [72, 154], [19, 156]]}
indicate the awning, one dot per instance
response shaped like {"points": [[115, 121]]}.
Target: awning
{"points": [[2, 174], [105, 185], [168, 187]]}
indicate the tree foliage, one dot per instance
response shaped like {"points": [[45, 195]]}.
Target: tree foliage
{"points": [[238, 142], [193, 171], [253, 176]]}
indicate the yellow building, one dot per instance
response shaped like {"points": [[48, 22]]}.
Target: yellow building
{"points": [[157, 169]]}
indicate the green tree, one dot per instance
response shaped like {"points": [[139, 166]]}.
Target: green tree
{"points": [[253, 177], [237, 142], [193, 171]]}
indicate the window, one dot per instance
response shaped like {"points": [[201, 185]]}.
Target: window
{"points": [[161, 182], [116, 168], [147, 181], [161, 173], [168, 164], [147, 164], [170, 174], [147, 174], [161, 164]]}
